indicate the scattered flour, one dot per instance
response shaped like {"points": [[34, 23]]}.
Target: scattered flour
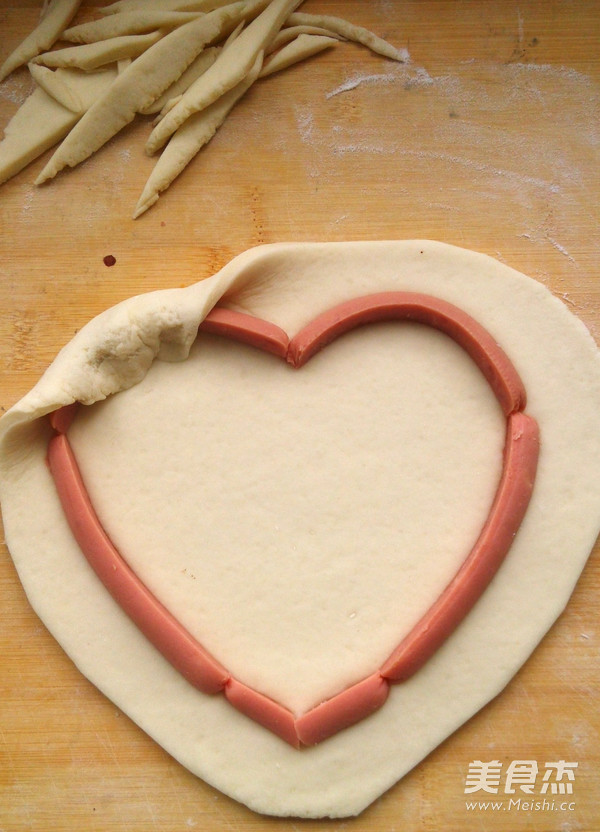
{"points": [[409, 76], [305, 122], [17, 87], [27, 201], [563, 73], [560, 248], [518, 140]]}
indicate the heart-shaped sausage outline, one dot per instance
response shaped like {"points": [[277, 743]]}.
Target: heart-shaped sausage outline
{"points": [[509, 506]]}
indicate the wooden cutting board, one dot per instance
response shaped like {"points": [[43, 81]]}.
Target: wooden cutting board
{"points": [[487, 139]]}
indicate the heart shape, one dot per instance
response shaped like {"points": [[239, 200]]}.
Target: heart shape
{"points": [[506, 514]]}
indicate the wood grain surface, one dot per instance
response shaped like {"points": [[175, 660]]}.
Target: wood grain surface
{"points": [[487, 139]]}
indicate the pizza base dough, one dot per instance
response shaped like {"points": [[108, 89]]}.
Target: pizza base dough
{"points": [[288, 284]]}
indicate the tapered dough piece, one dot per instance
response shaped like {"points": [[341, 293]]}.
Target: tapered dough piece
{"points": [[350, 32], [90, 56], [147, 77], [164, 5], [290, 33], [168, 106], [227, 71], [234, 34], [175, 92], [41, 121], [126, 23], [197, 131], [203, 62], [56, 88], [305, 46], [198, 66], [59, 14]]}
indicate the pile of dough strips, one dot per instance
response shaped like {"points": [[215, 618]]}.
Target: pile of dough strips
{"points": [[188, 63]]}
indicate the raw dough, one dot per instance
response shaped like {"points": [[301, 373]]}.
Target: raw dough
{"points": [[127, 23], [348, 30], [171, 73], [289, 33], [302, 47], [289, 284], [199, 65], [230, 68], [147, 77], [190, 138], [56, 88], [92, 55], [163, 5], [41, 121], [58, 14]]}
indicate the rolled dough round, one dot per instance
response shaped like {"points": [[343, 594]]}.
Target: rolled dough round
{"points": [[196, 438]]}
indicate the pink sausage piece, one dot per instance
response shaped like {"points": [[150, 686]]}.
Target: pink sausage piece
{"points": [[261, 709], [507, 512], [341, 711], [412, 306], [154, 620], [61, 419], [246, 328]]}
